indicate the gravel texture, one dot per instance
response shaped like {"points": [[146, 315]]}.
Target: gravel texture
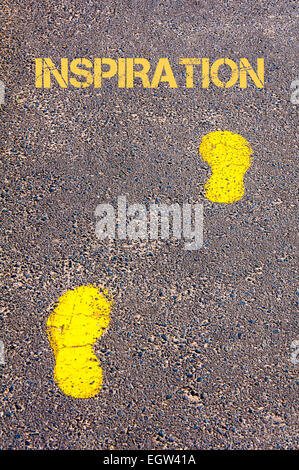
{"points": [[197, 354]]}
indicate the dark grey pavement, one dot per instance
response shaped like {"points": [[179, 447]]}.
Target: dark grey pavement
{"points": [[198, 351]]}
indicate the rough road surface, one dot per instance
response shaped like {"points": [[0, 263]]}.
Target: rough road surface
{"points": [[197, 354]]}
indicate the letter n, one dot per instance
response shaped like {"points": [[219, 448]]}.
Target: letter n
{"points": [[61, 77], [257, 77]]}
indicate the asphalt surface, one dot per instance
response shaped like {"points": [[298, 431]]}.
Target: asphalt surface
{"points": [[198, 351]]}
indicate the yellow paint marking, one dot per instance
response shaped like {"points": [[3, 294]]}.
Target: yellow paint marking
{"points": [[229, 156], [73, 327]]}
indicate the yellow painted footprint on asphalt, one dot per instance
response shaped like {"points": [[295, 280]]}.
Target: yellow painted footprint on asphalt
{"points": [[73, 327], [229, 156]]}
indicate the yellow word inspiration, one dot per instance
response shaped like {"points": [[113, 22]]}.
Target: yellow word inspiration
{"points": [[127, 72]]}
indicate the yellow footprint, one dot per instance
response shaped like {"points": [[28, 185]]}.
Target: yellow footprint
{"points": [[73, 327], [229, 156]]}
